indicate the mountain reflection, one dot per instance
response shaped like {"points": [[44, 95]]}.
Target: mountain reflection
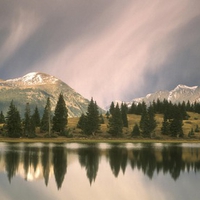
{"points": [[42, 161]]}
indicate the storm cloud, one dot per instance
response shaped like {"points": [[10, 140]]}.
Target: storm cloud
{"points": [[103, 49]]}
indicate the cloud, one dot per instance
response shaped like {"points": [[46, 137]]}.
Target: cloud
{"points": [[103, 49]]}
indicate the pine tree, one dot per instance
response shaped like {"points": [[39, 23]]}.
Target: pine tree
{"points": [[46, 118], [13, 121], [112, 108], [165, 126], [92, 122], [152, 121], [107, 115], [144, 123], [147, 122], [176, 123], [115, 122], [27, 121], [60, 115], [36, 117], [133, 108], [124, 110], [101, 119], [176, 128], [136, 131], [2, 118], [81, 122]]}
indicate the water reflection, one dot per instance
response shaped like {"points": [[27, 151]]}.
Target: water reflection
{"points": [[47, 160], [89, 158]]}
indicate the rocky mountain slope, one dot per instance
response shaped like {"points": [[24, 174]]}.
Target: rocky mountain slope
{"points": [[34, 88], [179, 94]]}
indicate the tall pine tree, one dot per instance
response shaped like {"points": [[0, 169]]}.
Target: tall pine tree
{"points": [[2, 118], [115, 122], [60, 115], [92, 121], [36, 117], [13, 121], [27, 121], [124, 111], [147, 122], [46, 118]]}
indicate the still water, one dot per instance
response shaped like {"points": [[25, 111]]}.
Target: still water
{"points": [[99, 171]]}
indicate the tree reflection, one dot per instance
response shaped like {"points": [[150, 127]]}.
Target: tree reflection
{"points": [[40, 162], [46, 163], [117, 159], [59, 164], [11, 161], [31, 158], [89, 158]]}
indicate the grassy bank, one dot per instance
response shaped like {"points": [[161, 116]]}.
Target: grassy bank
{"points": [[103, 136], [95, 140]]}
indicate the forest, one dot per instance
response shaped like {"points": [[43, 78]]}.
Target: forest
{"points": [[160, 119]]}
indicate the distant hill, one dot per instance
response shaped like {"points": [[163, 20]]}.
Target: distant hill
{"points": [[34, 88], [179, 94]]}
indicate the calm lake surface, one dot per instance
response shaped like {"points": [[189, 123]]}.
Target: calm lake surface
{"points": [[99, 171]]}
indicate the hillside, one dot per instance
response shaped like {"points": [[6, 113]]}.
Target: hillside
{"points": [[34, 88], [192, 122]]}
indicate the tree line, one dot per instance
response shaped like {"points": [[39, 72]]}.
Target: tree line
{"points": [[89, 123], [173, 116], [15, 126]]}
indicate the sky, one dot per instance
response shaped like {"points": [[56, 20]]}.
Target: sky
{"points": [[105, 49]]}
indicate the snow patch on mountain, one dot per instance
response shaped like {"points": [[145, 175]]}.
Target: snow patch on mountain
{"points": [[179, 94], [33, 78]]}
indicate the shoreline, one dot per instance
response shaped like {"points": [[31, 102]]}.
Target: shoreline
{"points": [[95, 140]]}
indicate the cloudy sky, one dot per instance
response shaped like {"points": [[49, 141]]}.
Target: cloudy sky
{"points": [[105, 49]]}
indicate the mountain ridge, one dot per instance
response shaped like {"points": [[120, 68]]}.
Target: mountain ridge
{"points": [[34, 88], [179, 94]]}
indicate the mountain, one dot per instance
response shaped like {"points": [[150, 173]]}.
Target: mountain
{"points": [[34, 88], [178, 94]]}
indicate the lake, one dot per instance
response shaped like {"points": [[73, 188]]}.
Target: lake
{"points": [[99, 171]]}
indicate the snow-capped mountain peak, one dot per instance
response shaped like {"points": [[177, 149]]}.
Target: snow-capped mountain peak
{"points": [[179, 94], [185, 87], [33, 78], [34, 88]]}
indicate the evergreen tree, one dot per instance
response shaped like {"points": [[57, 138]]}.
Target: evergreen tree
{"points": [[112, 108], [133, 108], [36, 117], [152, 121], [60, 115], [197, 129], [46, 118], [144, 123], [176, 128], [13, 121], [147, 122], [165, 129], [136, 131], [27, 121], [191, 133], [81, 122], [176, 123], [115, 122], [92, 122], [107, 115], [2, 118], [101, 119], [124, 110]]}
